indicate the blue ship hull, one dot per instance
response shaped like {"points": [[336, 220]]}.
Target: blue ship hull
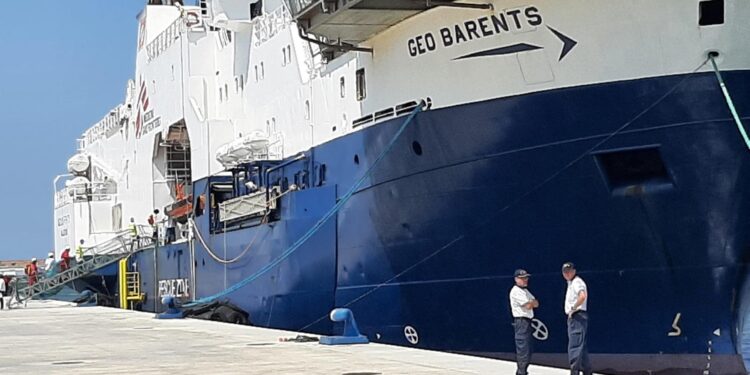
{"points": [[470, 193]]}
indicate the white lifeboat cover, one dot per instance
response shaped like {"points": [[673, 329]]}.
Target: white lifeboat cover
{"points": [[242, 149], [78, 164], [77, 185]]}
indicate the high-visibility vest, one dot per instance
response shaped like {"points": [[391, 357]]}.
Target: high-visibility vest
{"points": [[134, 230], [79, 251]]}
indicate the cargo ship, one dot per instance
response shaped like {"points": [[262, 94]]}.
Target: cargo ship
{"points": [[402, 158]]}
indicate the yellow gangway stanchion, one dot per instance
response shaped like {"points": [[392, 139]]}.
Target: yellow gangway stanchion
{"points": [[123, 282]]}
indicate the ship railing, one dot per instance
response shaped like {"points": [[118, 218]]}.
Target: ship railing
{"points": [[298, 6], [106, 127], [123, 244], [165, 39], [268, 25], [88, 192]]}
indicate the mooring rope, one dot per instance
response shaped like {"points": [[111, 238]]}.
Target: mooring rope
{"points": [[320, 223], [492, 218], [730, 103]]}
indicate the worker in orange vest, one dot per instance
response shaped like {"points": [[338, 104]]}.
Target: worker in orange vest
{"points": [[65, 260], [31, 271]]}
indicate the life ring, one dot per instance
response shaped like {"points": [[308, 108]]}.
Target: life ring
{"points": [[192, 19]]}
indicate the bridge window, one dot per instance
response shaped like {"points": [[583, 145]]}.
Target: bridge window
{"points": [[342, 84]]}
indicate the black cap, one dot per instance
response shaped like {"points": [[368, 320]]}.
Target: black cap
{"points": [[568, 266], [521, 273]]}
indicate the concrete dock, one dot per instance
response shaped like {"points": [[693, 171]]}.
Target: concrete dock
{"points": [[49, 337]]}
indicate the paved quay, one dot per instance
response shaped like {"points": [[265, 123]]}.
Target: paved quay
{"points": [[49, 337]]}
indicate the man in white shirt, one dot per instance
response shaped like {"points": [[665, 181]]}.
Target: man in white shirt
{"points": [[576, 301], [49, 263], [522, 305], [3, 289]]}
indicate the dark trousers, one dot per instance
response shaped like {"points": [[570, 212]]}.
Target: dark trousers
{"points": [[578, 353], [522, 328], [2, 301]]}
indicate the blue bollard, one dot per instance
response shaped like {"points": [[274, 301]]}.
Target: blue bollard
{"points": [[172, 311], [351, 332]]}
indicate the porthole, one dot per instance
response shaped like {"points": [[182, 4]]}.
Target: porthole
{"points": [[416, 147]]}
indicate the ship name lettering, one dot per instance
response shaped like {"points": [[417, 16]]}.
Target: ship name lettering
{"points": [[507, 21], [63, 220], [174, 287]]}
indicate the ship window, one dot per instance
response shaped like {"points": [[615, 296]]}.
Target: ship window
{"points": [[307, 109], [711, 12], [361, 84], [283, 52], [256, 73], [322, 175], [242, 82], [236, 85], [226, 91], [342, 84], [200, 205], [256, 9], [221, 94], [262, 71], [634, 170]]}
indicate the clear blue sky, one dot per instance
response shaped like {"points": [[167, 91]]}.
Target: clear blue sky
{"points": [[63, 65]]}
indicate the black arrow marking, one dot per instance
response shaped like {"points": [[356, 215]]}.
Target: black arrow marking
{"points": [[507, 50], [568, 43]]}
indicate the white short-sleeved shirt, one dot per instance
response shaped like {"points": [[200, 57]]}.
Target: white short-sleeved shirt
{"points": [[519, 297], [2, 284], [575, 287]]}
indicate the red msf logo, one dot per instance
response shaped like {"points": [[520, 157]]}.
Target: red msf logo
{"points": [[142, 109]]}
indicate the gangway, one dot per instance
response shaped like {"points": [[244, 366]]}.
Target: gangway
{"points": [[122, 245]]}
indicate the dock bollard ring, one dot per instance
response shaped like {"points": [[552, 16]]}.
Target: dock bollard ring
{"points": [[411, 335], [540, 330]]}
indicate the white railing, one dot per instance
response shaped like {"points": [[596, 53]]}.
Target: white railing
{"points": [[297, 6], [106, 127], [268, 25], [165, 39], [90, 192]]}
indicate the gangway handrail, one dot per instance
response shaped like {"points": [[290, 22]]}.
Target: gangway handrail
{"points": [[122, 245]]}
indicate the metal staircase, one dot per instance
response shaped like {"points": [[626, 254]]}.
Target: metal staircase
{"points": [[95, 258]]}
